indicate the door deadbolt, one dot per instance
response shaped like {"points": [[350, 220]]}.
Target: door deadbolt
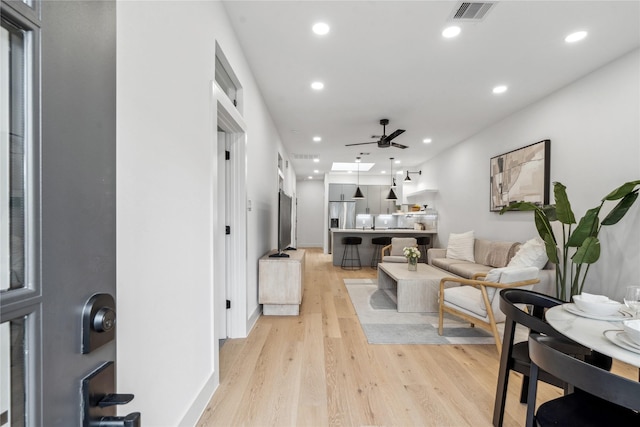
{"points": [[98, 322], [104, 320]]}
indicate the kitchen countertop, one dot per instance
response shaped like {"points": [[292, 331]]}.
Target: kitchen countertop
{"points": [[367, 250], [383, 230]]}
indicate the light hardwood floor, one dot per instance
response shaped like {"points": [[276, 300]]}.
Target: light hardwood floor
{"points": [[317, 369]]}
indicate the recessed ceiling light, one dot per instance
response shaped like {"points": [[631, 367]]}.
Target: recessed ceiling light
{"points": [[575, 37], [397, 162], [349, 171], [499, 89], [451, 32], [321, 28], [316, 160], [427, 140], [317, 139], [383, 172], [317, 85], [316, 171], [310, 177]]}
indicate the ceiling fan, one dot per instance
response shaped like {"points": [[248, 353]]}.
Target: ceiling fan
{"points": [[385, 140]]}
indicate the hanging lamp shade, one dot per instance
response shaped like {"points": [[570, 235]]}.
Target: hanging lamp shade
{"points": [[391, 195], [358, 194], [407, 178]]}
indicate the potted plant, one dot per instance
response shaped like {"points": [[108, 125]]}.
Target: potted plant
{"points": [[580, 245]]}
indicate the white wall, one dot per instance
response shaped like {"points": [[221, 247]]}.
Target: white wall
{"points": [[594, 128], [311, 214], [167, 342]]}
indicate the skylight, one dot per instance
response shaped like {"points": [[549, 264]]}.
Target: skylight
{"points": [[351, 167]]}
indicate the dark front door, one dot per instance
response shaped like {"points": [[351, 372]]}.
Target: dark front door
{"points": [[59, 204]]}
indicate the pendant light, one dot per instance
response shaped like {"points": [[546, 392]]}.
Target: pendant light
{"points": [[358, 194], [392, 194]]}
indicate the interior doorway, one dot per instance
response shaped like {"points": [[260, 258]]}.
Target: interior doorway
{"points": [[230, 222]]}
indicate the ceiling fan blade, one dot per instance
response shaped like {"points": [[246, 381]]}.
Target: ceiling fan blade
{"points": [[362, 143], [394, 134], [394, 144]]}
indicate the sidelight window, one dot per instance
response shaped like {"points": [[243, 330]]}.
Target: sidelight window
{"points": [[14, 137]]}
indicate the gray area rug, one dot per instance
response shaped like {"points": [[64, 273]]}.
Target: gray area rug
{"points": [[382, 324]]}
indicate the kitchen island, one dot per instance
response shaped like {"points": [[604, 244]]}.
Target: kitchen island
{"points": [[366, 249]]}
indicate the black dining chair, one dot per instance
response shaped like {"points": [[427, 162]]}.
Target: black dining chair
{"points": [[515, 356], [600, 398]]}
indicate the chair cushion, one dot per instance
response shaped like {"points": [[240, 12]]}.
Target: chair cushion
{"points": [[468, 269], [446, 263], [399, 243], [460, 246], [394, 258], [466, 298], [469, 298]]}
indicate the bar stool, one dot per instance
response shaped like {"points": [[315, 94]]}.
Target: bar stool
{"points": [[378, 243], [351, 254], [423, 244]]}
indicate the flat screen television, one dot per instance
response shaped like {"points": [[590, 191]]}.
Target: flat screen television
{"points": [[285, 208]]}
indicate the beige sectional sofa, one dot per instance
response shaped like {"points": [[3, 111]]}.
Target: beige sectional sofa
{"points": [[489, 254]]}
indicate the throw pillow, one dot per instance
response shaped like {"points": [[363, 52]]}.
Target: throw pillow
{"points": [[494, 274], [531, 254], [460, 246]]}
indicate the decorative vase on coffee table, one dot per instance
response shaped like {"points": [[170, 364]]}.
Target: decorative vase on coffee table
{"points": [[412, 264]]}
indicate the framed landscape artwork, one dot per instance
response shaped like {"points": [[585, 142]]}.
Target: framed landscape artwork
{"points": [[520, 175]]}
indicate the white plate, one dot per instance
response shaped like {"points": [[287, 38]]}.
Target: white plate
{"points": [[618, 317], [623, 336], [613, 335]]}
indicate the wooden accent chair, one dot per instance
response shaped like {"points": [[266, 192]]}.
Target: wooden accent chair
{"points": [[394, 251], [476, 300]]}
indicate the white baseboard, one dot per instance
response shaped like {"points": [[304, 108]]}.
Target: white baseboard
{"points": [[253, 318], [201, 401]]}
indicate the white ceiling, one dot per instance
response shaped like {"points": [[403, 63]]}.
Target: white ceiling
{"points": [[388, 59]]}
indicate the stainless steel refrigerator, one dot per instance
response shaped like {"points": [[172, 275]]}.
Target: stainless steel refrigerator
{"points": [[341, 215]]}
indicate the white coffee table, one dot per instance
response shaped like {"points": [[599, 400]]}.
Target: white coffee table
{"points": [[417, 290]]}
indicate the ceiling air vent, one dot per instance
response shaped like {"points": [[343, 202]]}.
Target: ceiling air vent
{"points": [[468, 11], [305, 156]]}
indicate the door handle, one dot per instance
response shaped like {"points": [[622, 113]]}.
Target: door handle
{"points": [[99, 400], [131, 420]]}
